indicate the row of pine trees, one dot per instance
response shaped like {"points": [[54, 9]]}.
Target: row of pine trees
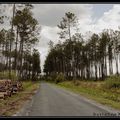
{"points": [[78, 58], [17, 44]]}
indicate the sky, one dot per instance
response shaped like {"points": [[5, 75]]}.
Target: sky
{"points": [[92, 17]]}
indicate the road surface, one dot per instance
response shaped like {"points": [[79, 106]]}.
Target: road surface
{"points": [[51, 100]]}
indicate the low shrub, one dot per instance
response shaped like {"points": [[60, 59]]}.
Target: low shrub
{"points": [[112, 82], [53, 76], [49, 78], [60, 78], [76, 82]]}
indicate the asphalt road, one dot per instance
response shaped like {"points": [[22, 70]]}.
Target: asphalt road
{"points": [[51, 100]]}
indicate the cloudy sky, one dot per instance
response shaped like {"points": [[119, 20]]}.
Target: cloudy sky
{"points": [[92, 17]]}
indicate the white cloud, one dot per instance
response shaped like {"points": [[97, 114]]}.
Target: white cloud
{"points": [[51, 14], [110, 19]]}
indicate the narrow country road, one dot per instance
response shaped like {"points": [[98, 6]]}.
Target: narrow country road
{"points": [[51, 100]]}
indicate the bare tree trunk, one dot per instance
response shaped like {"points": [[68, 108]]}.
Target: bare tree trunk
{"points": [[99, 71], [116, 59], [3, 58], [11, 43], [16, 51], [96, 77], [110, 67], [105, 63], [21, 60], [102, 69]]}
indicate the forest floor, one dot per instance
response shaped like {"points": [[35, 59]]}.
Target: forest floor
{"points": [[94, 90], [14, 103]]}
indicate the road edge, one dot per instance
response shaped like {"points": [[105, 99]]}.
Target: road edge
{"points": [[25, 106]]}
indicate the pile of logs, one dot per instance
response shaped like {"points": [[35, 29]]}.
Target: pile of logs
{"points": [[8, 87]]}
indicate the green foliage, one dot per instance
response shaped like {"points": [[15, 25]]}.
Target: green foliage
{"points": [[49, 78], [76, 82], [56, 77], [110, 96], [35, 64], [5, 75], [17, 45], [53, 76], [68, 22], [76, 56], [60, 78], [36, 61], [112, 82]]}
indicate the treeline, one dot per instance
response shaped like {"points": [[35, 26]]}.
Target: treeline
{"points": [[78, 58], [17, 45]]}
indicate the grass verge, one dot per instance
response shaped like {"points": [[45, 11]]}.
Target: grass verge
{"points": [[14, 103], [94, 90]]}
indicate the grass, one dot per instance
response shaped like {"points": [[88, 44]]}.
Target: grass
{"points": [[14, 103], [5, 75], [95, 91]]}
